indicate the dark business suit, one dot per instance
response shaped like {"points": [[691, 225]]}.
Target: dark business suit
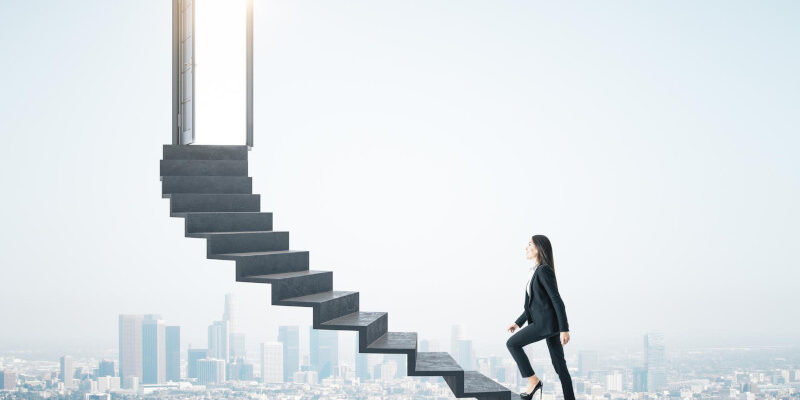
{"points": [[544, 311]]}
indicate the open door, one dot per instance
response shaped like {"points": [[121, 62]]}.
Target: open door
{"points": [[183, 127]]}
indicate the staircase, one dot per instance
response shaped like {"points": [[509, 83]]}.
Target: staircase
{"points": [[210, 188]]}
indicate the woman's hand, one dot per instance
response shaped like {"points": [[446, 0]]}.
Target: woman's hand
{"points": [[564, 338], [513, 327]]}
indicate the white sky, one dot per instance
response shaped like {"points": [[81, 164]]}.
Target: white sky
{"points": [[413, 147]]}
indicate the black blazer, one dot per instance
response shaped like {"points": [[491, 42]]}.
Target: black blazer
{"points": [[544, 310]]}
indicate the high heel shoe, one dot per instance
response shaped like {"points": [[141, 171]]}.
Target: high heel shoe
{"points": [[529, 396]]}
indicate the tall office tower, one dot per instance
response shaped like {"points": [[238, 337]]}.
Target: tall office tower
{"points": [[639, 379], [464, 355], [173, 353], [154, 350], [237, 346], [587, 361], [289, 336], [8, 380], [272, 362], [400, 362], [388, 370], [614, 381], [218, 341], [231, 312], [192, 358], [130, 347], [456, 334], [67, 371], [211, 371], [105, 368], [324, 349], [655, 362], [362, 364]]}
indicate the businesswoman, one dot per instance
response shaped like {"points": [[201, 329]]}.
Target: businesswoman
{"points": [[546, 317]]}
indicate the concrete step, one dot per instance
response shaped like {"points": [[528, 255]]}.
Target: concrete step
{"points": [[266, 262], [370, 325], [206, 184], [204, 152], [203, 168], [198, 224], [436, 363], [394, 343], [327, 305], [293, 284], [244, 242], [182, 203], [482, 387]]}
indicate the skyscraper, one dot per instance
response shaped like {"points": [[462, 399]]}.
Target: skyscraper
{"points": [[218, 341], [67, 371], [211, 371], [639, 379], [324, 351], [173, 353], [130, 347], [192, 358], [106, 368], [8, 380], [237, 346], [230, 314], [362, 363], [289, 336], [456, 334], [463, 355], [655, 362], [272, 362], [154, 356]]}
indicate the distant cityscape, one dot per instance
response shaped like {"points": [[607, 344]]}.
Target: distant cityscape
{"points": [[150, 365]]}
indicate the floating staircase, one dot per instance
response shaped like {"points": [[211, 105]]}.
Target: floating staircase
{"points": [[210, 188]]}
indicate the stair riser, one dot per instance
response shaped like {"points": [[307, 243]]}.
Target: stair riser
{"points": [[373, 331], [203, 168], [301, 286], [335, 308], [228, 222], [456, 384], [271, 264], [247, 242], [184, 203], [207, 184], [194, 152]]}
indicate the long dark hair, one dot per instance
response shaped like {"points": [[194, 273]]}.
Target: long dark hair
{"points": [[545, 249]]}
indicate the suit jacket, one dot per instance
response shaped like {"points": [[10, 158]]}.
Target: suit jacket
{"points": [[544, 308]]}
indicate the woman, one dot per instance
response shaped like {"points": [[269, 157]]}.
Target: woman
{"points": [[546, 317]]}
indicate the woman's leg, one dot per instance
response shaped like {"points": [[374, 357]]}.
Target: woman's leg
{"points": [[560, 365], [523, 337]]}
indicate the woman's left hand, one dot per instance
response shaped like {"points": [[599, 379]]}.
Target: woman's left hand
{"points": [[564, 338]]}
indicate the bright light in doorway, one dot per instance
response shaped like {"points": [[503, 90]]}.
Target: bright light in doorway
{"points": [[220, 74]]}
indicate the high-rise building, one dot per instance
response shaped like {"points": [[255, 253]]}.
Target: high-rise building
{"points": [[105, 368], [8, 380], [424, 345], [639, 379], [173, 353], [456, 334], [400, 362], [614, 381], [587, 361], [324, 351], [154, 350], [463, 355], [272, 362], [289, 336], [211, 371], [130, 347], [218, 341], [231, 313], [237, 346], [240, 370], [388, 370], [655, 362], [192, 358], [67, 371], [362, 363]]}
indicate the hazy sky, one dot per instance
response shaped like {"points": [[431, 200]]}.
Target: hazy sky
{"points": [[413, 147]]}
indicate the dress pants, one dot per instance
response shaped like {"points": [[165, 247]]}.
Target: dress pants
{"points": [[528, 335]]}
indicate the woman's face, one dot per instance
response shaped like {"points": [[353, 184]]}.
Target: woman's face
{"points": [[531, 252]]}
